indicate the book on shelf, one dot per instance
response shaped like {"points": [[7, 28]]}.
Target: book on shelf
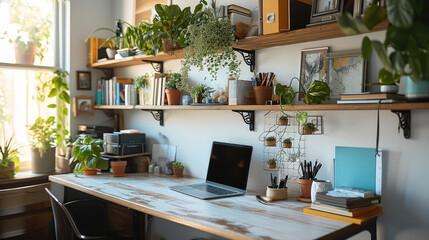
{"points": [[346, 202], [378, 211], [235, 18], [369, 95], [354, 212], [369, 101], [99, 92], [233, 7]]}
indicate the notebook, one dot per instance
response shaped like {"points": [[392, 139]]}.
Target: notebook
{"points": [[227, 173]]}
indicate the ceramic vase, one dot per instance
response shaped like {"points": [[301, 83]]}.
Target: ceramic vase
{"points": [[319, 186]]}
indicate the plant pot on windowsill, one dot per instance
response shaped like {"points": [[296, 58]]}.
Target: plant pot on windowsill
{"points": [[44, 163], [25, 56], [118, 168], [7, 172]]}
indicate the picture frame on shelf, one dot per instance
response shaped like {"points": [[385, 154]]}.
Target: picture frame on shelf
{"points": [[83, 80], [83, 106], [327, 11], [346, 71], [313, 67], [360, 6]]}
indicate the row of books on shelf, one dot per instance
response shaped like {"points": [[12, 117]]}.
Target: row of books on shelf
{"points": [[346, 204], [112, 91], [369, 97]]}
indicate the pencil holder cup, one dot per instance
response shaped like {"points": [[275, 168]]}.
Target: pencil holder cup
{"points": [[319, 186], [262, 94], [276, 193]]}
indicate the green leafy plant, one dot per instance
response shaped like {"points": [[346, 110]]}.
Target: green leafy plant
{"points": [[114, 40], [87, 153], [175, 79], [9, 153], [146, 38], [178, 165], [201, 89], [270, 138], [317, 93], [43, 134], [272, 161], [287, 140], [140, 81], [210, 44], [309, 126], [407, 35]]}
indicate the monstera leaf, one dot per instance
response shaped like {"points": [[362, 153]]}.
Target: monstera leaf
{"points": [[317, 93], [285, 93]]}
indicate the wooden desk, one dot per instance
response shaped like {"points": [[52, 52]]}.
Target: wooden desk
{"points": [[241, 217]]}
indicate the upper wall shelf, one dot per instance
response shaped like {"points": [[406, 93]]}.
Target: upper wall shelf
{"points": [[322, 32]]}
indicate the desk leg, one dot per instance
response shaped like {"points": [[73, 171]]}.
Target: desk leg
{"points": [[353, 229], [139, 226], [372, 228]]}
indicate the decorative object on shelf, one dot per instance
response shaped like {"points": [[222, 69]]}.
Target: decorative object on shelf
{"points": [[118, 168], [83, 80], [178, 169], [408, 20], [327, 11], [308, 128], [346, 72], [83, 106], [200, 91], [140, 84], [43, 147], [317, 93], [309, 173], [87, 155], [271, 163], [130, 95], [320, 186], [389, 88], [186, 99], [113, 42], [173, 94], [287, 143], [270, 141], [126, 52], [313, 67], [210, 42], [8, 158], [283, 120]]}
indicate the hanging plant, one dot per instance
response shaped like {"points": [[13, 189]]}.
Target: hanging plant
{"points": [[210, 43]]}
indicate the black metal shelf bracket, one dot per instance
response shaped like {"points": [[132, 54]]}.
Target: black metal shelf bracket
{"points": [[248, 57], [157, 66], [158, 115], [248, 118], [404, 121]]}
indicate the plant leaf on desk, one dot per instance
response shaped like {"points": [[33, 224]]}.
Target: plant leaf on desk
{"points": [[317, 93]]}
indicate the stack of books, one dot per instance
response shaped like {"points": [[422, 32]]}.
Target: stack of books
{"points": [[238, 14], [368, 97], [346, 204], [112, 91]]}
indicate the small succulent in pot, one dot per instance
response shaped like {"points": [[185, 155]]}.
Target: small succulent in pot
{"points": [[178, 169], [270, 141], [287, 143], [272, 163], [283, 120], [309, 128]]}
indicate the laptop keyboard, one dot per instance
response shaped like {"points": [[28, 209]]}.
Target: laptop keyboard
{"points": [[212, 189]]}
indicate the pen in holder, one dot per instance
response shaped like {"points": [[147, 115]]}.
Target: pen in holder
{"points": [[276, 193]]}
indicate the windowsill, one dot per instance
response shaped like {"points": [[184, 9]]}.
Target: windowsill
{"points": [[22, 179]]}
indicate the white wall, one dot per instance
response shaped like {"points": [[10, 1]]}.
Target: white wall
{"points": [[405, 161]]}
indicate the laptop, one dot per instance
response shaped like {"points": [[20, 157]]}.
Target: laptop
{"points": [[227, 174]]}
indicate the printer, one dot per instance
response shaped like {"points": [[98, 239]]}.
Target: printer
{"points": [[121, 144]]}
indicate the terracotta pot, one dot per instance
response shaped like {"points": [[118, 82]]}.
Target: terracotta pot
{"points": [[269, 143], [178, 172], [262, 94], [173, 96], [271, 165], [5, 171], [282, 122], [118, 168], [44, 164], [287, 145], [305, 187], [307, 131], [89, 171], [25, 56]]}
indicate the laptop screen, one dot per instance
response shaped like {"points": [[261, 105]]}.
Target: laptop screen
{"points": [[229, 164]]}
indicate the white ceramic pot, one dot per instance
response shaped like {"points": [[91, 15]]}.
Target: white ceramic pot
{"points": [[111, 52], [319, 186]]}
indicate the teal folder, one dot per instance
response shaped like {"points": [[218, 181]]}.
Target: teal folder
{"points": [[358, 168]]}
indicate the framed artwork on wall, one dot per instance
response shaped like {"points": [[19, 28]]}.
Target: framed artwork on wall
{"points": [[346, 72], [83, 106], [313, 67], [83, 80]]}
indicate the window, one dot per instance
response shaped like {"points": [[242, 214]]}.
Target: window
{"points": [[28, 38]]}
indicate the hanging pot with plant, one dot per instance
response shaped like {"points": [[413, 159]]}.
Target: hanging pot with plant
{"points": [[272, 163], [283, 120], [287, 143], [270, 141]]}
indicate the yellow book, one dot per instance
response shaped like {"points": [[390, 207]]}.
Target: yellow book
{"points": [[356, 220]]}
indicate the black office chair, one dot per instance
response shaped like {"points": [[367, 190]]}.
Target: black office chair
{"points": [[82, 219]]}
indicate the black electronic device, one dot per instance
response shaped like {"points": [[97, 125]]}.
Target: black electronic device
{"points": [[124, 144], [94, 131]]}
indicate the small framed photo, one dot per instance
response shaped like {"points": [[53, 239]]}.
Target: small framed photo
{"points": [[313, 67], [327, 11], [83, 106], [83, 80], [346, 73]]}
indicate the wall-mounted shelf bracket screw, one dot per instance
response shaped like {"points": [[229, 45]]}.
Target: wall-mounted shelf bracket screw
{"points": [[248, 57], [157, 66], [404, 122], [158, 115], [248, 118]]}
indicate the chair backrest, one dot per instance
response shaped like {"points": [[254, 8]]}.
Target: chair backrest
{"points": [[65, 227]]}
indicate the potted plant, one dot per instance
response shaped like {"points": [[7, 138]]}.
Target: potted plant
{"points": [[199, 92], [118, 168], [317, 93], [271, 163], [87, 155], [178, 169], [210, 42], [287, 143], [173, 94], [146, 39], [308, 128], [114, 41], [8, 158], [408, 54], [270, 141], [282, 121], [140, 84], [43, 147]]}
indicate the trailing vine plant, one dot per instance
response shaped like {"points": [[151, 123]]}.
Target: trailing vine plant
{"points": [[210, 42]]}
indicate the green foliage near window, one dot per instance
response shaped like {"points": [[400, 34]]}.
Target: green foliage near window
{"points": [[43, 134], [175, 79], [210, 44], [140, 81], [9, 153], [201, 89], [178, 165], [87, 153], [407, 34]]}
